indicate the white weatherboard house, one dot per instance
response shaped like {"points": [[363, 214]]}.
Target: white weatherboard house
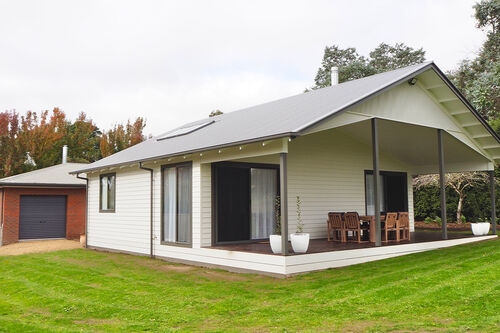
{"points": [[204, 193]]}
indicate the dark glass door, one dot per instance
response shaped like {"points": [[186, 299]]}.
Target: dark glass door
{"points": [[393, 190], [233, 204], [396, 193]]}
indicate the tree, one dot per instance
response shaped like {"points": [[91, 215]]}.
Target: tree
{"points": [[83, 138], [42, 137], [215, 113], [121, 137], [386, 57], [459, 182], [353, 66], [478, 79], [35, 140], [11, 156], [487, 13]]}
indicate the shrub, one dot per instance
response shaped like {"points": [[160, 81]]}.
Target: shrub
{"points": [[428, 220], [463, 219], [300, 224], [277, 213], [437, 220]]}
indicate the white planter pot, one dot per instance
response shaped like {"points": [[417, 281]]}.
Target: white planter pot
{"points": [[300, 242], [275, 241], [480, 229]]}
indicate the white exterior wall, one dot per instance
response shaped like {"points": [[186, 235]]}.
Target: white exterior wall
{"points": [[127, 229], [326, 170], [196, 205], [206, 205]]}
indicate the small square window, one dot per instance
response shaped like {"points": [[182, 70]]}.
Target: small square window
{"points": [[107, 193]]}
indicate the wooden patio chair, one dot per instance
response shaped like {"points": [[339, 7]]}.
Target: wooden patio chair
{"points": [[353, 223], [391, 224], [336, 224], [404, 225]]}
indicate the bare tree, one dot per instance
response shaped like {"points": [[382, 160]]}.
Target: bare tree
{"points": [[459, 182]]}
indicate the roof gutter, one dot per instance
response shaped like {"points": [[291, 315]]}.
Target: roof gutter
{"points": [[86, 206], [8, 184], [150, 210], [270, 137]]}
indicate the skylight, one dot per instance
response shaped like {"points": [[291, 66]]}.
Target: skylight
{"points": [[185, 130]]}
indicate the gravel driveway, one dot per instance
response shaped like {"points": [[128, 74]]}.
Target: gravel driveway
{"points": [[38, 247]]}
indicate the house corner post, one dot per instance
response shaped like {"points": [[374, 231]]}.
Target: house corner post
{"points": [[442, 185], [284, 203], [376, 176], [1, 216], [151, 234], [493, 203]]}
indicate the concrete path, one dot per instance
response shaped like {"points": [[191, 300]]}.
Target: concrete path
{"points": [[38, 247]]}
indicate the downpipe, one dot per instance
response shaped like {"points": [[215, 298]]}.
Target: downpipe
{"points": [[150, 210], [86, 206]]}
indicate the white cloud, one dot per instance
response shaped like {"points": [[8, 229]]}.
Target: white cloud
{"points": [[173, 62]]}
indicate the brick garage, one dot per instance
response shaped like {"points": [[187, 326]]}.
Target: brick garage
{"points": [[75, 210], [52, 182]]}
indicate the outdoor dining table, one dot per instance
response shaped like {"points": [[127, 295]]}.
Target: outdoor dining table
{"points": [[370, 219]]}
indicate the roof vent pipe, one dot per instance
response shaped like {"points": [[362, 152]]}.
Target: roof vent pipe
{"points": [[334, 79], [65, 154]]}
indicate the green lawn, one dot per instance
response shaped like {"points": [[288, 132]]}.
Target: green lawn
{"points": [[454, 289]]}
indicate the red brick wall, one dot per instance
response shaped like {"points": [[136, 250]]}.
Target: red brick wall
{"points": [[75, 210]]}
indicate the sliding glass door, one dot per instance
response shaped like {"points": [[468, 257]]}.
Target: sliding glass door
{"points": [[244, 199]]}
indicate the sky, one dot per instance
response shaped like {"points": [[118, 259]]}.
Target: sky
{"points": [[173, 62]]}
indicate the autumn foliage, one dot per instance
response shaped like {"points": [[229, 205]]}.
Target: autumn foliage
{"points": [[35, 140], [121, 137]]}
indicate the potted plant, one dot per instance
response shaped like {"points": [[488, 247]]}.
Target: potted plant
{"points": [[275, 239], [300, 240], [480, 228]]}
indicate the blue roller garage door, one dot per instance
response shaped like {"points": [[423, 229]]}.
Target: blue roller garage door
{"points": [[42, 216]]}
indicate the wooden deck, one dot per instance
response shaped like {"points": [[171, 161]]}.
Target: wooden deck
{"points": [[322, 245]]}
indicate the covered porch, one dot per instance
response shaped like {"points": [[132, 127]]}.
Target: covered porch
{"points": [[344, 168]]}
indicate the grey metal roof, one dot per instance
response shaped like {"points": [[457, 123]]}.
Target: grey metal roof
{"points": [[57, 175], [284, 117]]}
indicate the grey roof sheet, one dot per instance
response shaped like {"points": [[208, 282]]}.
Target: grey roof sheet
{"points": [[50, 176], [283, 117]]}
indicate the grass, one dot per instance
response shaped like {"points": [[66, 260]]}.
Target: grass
{"points": [[453, 289]]}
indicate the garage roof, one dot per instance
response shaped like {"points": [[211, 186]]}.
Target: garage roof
{"points": [[54, 176]]}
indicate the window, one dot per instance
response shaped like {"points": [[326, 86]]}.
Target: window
{"points": [[107, 193], [177, 203]]}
